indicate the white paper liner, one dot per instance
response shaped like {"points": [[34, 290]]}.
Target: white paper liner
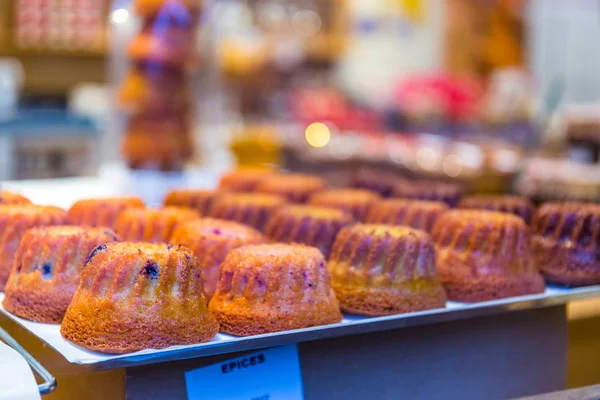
{"points": [[16, 378]]}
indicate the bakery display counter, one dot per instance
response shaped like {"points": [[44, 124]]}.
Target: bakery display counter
{"points": [[500, 349], [430, 352], [351, 325]]}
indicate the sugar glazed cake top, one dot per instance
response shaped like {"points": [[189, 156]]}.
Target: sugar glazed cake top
{"points": [[296, 188]]}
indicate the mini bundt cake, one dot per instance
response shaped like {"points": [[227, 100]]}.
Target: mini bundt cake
{"points": [[375, 181], [101, 211], [507, 204], [210, 240], [448, 193], [383, 269], [355, 202], [45, 273], [253, 209], [566, 242], [485, 255], [309, 225], [154, 225], [296, 188], [8, 197], [419, 214], [243, 179], [14, 221], [273, 287], [198, 199], [135, 296]]}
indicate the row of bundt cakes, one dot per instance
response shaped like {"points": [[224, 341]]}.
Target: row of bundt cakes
{"points": [[404, 251], [382, 280], [343, 198], [565, 237], [130, 296], [44, 256]]}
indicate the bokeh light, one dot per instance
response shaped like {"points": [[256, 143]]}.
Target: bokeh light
{"points": [[318, 134], [119, 16]]}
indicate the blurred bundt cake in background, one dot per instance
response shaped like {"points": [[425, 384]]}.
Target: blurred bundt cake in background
{"points": [[200, 200], [566, 242], [375, 181], [449, 193], [153, 225], [485, 255], [355, 202], [210, 240], [309, 225], [9, 197], [516, 205], [243, 179], [419, 214], [296, 188], [101, 211], [252, 209]]}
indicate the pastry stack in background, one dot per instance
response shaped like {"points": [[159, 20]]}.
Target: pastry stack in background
{"points": [[156, 94]]}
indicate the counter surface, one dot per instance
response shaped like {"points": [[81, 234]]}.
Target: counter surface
{"points": [[351, 325]]}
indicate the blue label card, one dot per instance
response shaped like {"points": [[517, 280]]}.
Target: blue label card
{"points": [[272, 374]]}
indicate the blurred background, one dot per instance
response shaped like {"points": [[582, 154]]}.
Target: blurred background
{"points": [[498, 95]]}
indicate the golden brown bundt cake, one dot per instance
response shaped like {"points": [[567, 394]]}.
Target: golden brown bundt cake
{"points": [[252, 209], [8, 197], [198, 199], [46, 270], [243, 179], [14, 221], [507, 204], [296, 188], [566, 242], [273, 287], [485, 255], [136, 296], [419, 214], [101, 211], [210, 240], [449, 193], [384, 269], [309, 225], [375, 181], [355, 202], [154, 225]]}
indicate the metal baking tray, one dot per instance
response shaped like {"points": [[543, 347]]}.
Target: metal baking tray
{"points": [[351, 325]]}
